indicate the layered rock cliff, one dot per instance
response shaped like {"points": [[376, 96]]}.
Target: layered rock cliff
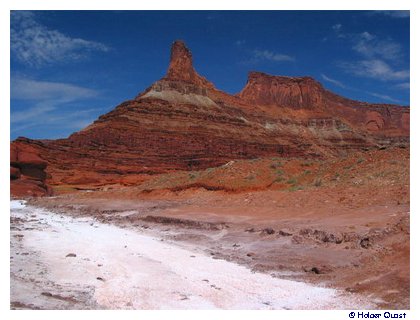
{"points": [[308, 96], [182, 122]]}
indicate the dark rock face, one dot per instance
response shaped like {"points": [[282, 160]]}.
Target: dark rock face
{"points": [[182, 122], [14, 173]]}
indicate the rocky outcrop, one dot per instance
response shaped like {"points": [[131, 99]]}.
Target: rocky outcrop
{"points": [[182, 122], [374, 121], [297, 93], [304, 94], [181, 67], [27, 171]]}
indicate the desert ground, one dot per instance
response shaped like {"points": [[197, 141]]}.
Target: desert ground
{"points": [[251, 234]]}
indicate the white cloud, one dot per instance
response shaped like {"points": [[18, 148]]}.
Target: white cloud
{"points": [[50, 104], [404, 85], [27, 89], [73, 120], [30, 113], [375, 69], [338, 29], [240, 42], [367, 36], [272, 56], [369, 46], [333, 81], [384, 97], [380, 56], [42, 115], [34, 44], [374, 94]]}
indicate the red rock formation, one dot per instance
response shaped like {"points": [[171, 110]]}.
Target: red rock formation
{"points": [[27, 171], [302, 92], [181, 67], [182, 122], [374, 121], [299, 93]]}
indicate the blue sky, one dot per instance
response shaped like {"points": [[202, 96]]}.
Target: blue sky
{"points": [[69, 67]]}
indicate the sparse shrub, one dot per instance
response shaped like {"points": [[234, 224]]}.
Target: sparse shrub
{"points": [[306, 164], [276, 165], [295, 188], [380, 174], [361, 160], [292, 181], [306, 172], [279, 179], [318, 182], [193, 175]]}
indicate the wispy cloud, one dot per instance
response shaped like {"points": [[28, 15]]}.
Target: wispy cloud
{"points": [[404, 85], [375, 69], [240, 42], [50, 104], [28, 89], [333, 81], [272, 56], [68, 120], [379, 57], [35, 44], [384, 97], [338, 30], [31, 113], [371, 46]]}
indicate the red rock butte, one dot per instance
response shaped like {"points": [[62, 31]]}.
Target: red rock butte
{"points": [[182, 122]]}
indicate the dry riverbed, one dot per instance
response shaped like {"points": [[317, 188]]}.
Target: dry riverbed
{"points": [[64, 262]]}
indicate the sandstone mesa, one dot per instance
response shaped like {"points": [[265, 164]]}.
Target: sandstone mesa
{"points": [[183, 122]]}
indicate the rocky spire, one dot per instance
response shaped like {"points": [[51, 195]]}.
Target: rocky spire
{"points": [[181, 66]]}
